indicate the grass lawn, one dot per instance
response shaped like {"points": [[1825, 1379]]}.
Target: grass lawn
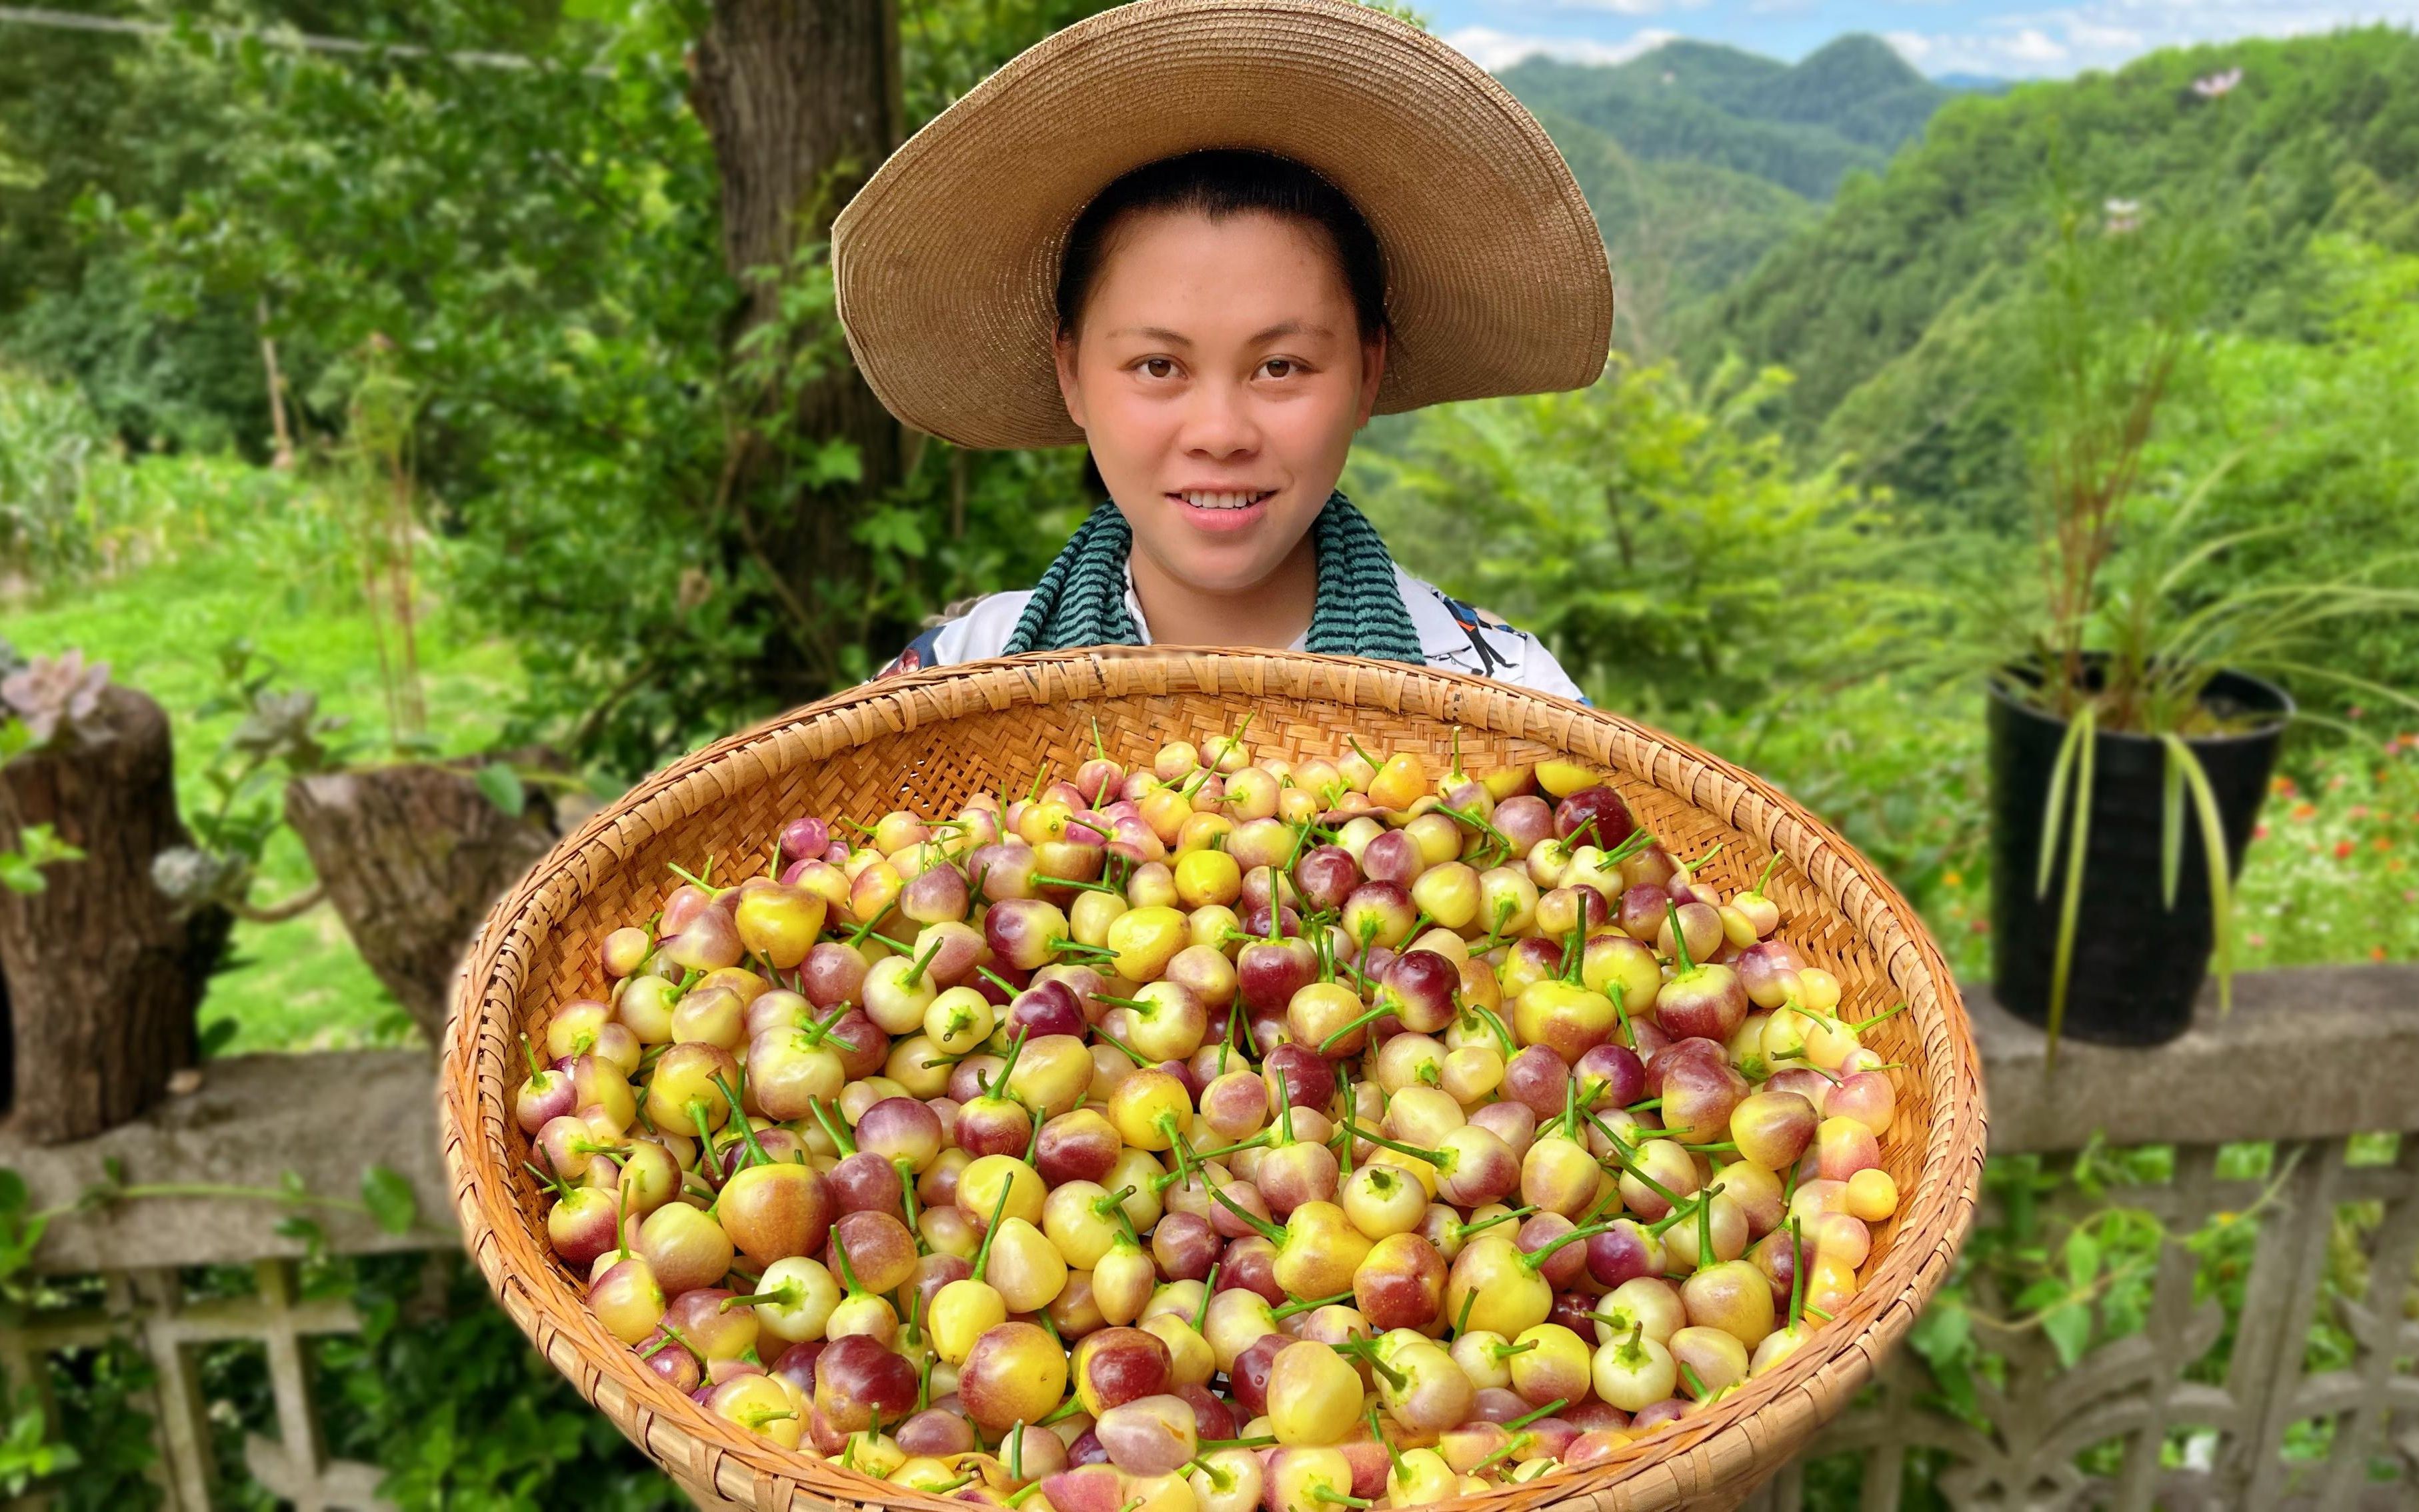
{"points": [[284, 580]]}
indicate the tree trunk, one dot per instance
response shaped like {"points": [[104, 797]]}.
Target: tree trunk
{"points": [[413, 857], [101, 977], [802, 99]]}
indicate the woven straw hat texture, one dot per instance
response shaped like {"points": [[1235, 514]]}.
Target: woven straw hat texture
{"points": [[926, 741], [946, 261]]}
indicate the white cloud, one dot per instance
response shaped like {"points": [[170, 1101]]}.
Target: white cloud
{"points": [[2061, 40], [1492, 48], [1913, 46], [2033, 45], [1627, 7]]}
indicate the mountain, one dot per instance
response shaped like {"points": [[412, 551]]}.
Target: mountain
{"points": [[1900, 311], [1678, 232], [1803, 126]]}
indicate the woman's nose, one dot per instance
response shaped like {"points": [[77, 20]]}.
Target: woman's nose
{"points": [[1218, 421]]}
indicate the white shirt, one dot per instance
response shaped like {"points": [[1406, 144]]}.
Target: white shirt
{"points": [[1452, 635]]}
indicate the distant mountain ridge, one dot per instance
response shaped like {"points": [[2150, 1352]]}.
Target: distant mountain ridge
{"points": [[1848, 105]]}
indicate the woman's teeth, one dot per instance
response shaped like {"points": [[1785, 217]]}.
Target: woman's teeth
{"points": [[1221, 501]]}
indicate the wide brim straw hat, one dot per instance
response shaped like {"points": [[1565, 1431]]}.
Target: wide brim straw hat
{"points": [[946, 262]]}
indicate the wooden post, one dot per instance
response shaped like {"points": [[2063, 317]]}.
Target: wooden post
{"points": [[102, 976], [413, 857]]}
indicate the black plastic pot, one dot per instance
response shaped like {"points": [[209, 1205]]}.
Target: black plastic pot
{"points": [[2138, 965]]}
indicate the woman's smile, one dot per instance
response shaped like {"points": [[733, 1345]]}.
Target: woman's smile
{"points": [[1222, 511]]}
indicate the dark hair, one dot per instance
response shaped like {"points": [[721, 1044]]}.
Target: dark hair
{"points": [[1219, 182]]}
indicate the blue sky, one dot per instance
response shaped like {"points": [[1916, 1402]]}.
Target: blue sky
{"points": [[2009, 39]]}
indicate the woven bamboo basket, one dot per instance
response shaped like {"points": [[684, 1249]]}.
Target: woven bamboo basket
{"points": [[926, 741]]}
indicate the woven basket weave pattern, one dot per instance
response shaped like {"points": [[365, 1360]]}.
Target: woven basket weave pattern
{"points": [[926, 742]]}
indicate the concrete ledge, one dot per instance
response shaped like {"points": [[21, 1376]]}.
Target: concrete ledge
{"points": [[2309, 1053], [326, 1117], [2315, 1052]]}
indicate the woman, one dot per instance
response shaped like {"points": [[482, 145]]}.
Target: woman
{"points": [[1209, 239]]}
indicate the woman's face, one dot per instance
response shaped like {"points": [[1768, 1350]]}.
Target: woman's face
{"points": [[1219, 376]]}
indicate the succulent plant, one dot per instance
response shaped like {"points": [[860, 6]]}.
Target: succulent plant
{"points": [[53, 694]]}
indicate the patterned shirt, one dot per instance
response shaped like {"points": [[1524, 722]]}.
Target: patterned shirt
{"points": [[1452, 635]]}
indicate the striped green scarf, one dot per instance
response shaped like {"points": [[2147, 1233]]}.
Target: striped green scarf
{"points": [[1081, 600]]}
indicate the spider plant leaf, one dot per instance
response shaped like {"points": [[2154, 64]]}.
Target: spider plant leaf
{"points": [[2071, 905], [2221, 872], [2171, 819], [2358, 685], [2174, 577], [2060, 774]]}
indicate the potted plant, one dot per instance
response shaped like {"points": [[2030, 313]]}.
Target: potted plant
{"points": [[2134, 712]]}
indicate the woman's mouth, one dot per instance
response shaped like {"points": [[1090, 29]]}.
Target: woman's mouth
{"points": [[1222, 509]]}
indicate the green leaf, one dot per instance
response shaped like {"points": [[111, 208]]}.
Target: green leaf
{"points": [[2221, 870], [2053, 811], [502, 786], [217, 1035], [2086, 736], [2069, 1328], [12, 1193], [2171, 821], [1942, 1333], [18, 874], [390, 1199], [15, 738], [2082, 1258]]}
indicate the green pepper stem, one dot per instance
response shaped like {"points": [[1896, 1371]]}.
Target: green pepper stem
{"points": [[1679, 935], [1796, 1274], [1888, 1012], [1208, 1290], [1547, 1411], [1536, 1258], [1014, 1050], [1303, 1305], [1434, 1157], [982, 1256], [1260, 1225], [1130, 1053], [915, 976], [1370, 1017]]}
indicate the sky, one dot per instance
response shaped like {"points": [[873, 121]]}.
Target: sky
{"points": [[2005, 38]]}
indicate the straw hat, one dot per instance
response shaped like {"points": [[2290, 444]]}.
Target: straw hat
{"points": [[946, 261]]}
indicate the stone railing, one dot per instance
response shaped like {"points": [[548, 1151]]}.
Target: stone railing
{"points": [[2211, 1404]]}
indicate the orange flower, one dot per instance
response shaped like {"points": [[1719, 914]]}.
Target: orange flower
{"points": [[2283, 785], [2304, 810], [2382, 843], [1952, 879], [2377, 952], [2343, 850]]}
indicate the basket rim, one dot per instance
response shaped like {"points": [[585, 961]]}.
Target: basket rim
{"points": [[1690, 1456]]}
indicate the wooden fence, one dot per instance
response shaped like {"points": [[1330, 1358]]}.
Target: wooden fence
{"points": [[2211, 1404]]}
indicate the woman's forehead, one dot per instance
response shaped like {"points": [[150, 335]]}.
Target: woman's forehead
{"points": [[1248, 274]]}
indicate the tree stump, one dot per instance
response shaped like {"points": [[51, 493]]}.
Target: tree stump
{"points": [[413, 857], [100, 974]]}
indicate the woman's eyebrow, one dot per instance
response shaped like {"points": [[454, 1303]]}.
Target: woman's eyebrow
{"points": [[1174, 338], [1289, 328]]}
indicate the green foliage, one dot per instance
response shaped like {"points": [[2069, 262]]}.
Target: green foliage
{"points": [[37, 846], [257, 554], [1678, 232], [545, 263], [1907, 268], [2323, 430], [54, 519], [1804, 127], [462, 1412], [1653, 531]]}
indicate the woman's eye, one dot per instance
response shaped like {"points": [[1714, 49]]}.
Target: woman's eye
{"points": [[1158, 366], [1279, 366]]}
